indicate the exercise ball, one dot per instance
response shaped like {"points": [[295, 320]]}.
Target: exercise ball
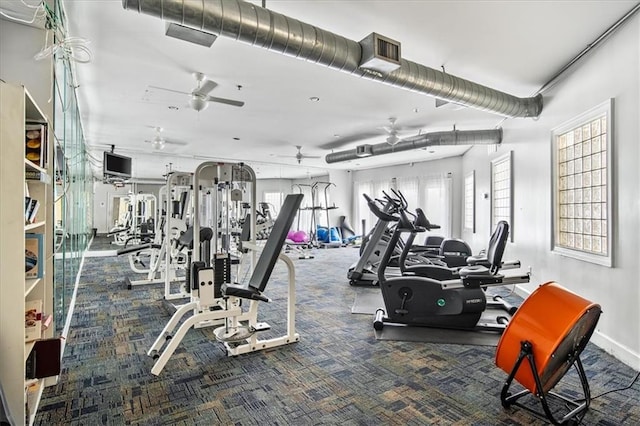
{"points": [[334, 236], [300, 237], [323, 234]]}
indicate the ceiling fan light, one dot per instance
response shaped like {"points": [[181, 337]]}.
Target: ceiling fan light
{"points": [[393, 139], [198, 103], [157, 143]]}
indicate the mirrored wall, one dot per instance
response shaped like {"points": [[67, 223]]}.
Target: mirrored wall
{"points": [[73, 208]]}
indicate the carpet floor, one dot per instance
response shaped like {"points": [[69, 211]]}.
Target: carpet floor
{"points": [[338, 373]]}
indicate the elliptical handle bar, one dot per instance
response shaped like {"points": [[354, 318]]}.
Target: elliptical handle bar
{"points": [[379, 213], [394, 203], [403, 201]]}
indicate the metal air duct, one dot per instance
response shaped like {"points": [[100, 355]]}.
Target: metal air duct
{"points": [[454, 137], [264, 28]]}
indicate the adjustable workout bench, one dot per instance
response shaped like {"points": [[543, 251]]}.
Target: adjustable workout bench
{"points": [[219, 300]]}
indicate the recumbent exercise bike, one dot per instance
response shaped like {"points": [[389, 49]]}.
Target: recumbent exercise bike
{"points": [[457, 304]]}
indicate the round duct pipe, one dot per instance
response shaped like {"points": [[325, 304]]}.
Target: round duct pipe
{"points": [[264, 28], [454, 137]]}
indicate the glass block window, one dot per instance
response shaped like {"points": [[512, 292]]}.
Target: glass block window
{"points": [[582, 190], [470, 202], [501, 192]]}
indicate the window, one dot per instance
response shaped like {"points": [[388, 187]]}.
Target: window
{"points": [[437, 202], [469, 221], [374, 190], [274, 201], [361, 208], [501, 192], [409, 187], [432, 193], [581, 151]]}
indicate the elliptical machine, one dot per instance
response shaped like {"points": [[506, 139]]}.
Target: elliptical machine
{"points": [[456, 304], [364, 272]]}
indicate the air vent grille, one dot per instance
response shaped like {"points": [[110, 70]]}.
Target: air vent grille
{"points": [[190, 34], [364, 151], [380, 54], [388, 50]]}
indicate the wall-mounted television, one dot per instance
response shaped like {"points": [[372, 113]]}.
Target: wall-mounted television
{"points": [[116, 166]]}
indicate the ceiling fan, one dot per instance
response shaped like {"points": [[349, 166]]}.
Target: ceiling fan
{"points": [[393, 132], [199, 97], [299, 155], [158, 142]]}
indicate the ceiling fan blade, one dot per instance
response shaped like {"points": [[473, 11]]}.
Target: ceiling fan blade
{"points": [[342, 141], [410, 127], [175, 142], [401, 128], [296, 156], [205, 88], [225, 101], [169, 90]]}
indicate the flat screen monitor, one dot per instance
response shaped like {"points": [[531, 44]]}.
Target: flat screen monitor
{"points": [[115, 165]]}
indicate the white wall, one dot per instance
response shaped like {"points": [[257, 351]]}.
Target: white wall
{"points": [[272, 185], [341, 195], [610, 71], [18, 45]]}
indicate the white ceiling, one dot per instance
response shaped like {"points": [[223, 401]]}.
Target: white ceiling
{"points": [[512, 46]]}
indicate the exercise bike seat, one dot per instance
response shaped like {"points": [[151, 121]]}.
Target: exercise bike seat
{"points": [[479, 276], [474, 270], [478, 259]]}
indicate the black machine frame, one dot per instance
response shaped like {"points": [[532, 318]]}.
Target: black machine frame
{"points": [[457, 304]]}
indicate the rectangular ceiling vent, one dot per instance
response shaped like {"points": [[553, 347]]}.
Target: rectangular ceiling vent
{"points": [[380, 53], [364, 151], [190, 34]]}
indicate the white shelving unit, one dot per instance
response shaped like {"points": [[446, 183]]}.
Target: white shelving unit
{"points": [[17, 107]]}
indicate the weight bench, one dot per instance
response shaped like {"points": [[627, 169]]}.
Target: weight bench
{"points": [[215, 299]]}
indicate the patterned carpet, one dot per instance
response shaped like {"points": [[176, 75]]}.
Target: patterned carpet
{"points": [[337, 374]]}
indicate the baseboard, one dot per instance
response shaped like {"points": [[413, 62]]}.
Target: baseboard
{"points": [[101, 253], [619, 351]]}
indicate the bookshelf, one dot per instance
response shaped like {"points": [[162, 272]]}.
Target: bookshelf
{"points": [[16, 290]]}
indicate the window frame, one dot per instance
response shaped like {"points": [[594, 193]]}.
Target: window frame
{"points": [[508, 157], [603, 110]]}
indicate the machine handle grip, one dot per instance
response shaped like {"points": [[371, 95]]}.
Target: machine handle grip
{"points": [[379, 213]]}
